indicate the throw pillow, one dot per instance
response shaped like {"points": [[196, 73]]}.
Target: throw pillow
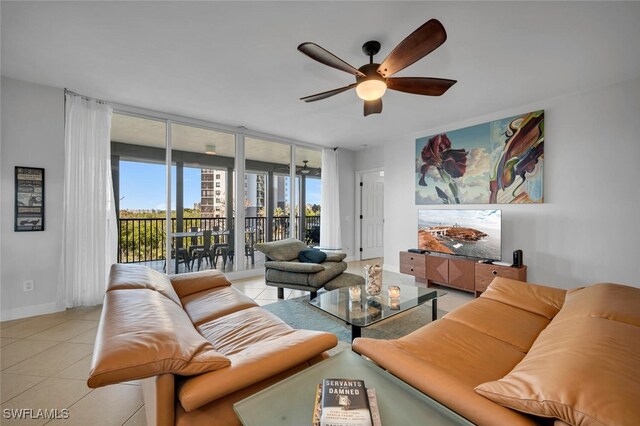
{"points": [[312, 256]]}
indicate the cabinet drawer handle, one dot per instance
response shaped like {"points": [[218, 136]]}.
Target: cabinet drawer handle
{"points": [[411, 269], [494, 272], [411, 258]]}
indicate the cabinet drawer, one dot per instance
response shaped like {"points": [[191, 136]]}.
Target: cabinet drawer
{"points": [[413, 264], [486, 273], [414, 259]]}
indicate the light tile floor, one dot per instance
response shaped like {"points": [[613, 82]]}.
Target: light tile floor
{"points": [[45, 361]]}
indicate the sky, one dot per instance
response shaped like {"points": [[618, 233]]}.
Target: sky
{"points": [[142, 186]]}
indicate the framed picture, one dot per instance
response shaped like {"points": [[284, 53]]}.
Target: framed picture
{"points": [[29, 210], [500, 162]]}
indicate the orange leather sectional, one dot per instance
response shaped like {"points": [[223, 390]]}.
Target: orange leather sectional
{"points": [[198, 344], [524, 354]]}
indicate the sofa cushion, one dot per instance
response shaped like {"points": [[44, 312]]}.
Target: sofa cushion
{"points": [[582, 370], [215, 303], [312, 256], [538, 299], [141, 334], [335, 257], [240, 330], [287, 249], [329, 271], [446, 360], [504, 322], [611, 301], [195, 282], [259, 346], [131, 276], [294, 266]]}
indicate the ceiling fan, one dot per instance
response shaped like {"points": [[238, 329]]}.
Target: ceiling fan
{"points": [[373, 79]]}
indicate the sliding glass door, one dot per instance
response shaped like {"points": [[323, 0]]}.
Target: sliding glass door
{"points": [[138, 158], [191, 224], [203, 196]]}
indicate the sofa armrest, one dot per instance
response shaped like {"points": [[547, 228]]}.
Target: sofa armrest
{"points": [[335, 257], [263, 360], [303, 268], [195, 282], [437, 382]]}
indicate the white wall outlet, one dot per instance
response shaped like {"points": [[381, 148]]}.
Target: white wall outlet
{"points": [[27, 285]]}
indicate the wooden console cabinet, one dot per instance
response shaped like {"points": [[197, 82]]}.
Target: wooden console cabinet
{"points": [[485, 273], [413, 264], [452, 272], [464, 274]]}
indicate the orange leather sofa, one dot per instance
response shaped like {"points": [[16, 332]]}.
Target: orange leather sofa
{"points": [[198, 344], [524, 354]]}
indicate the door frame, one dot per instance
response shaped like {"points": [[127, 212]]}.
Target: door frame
{"points": [[358, 210]]}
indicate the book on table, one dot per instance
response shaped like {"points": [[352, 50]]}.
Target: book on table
{"points": [[345, 402]]}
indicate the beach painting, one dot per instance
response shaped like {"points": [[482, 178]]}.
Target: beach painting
{"points": [[500, 162]]}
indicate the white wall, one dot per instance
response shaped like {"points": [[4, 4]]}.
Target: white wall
{"points": [[32, 135], [346, 177], [588, 229], [370, 158]]}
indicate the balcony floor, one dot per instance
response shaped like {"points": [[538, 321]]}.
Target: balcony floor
{"points": [[158, 265]]}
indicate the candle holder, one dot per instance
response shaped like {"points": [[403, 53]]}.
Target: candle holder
{"points": [[394, 292], [354, 293]]}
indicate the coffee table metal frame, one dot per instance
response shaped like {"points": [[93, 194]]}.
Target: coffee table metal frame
{"points": [[368, 310]]}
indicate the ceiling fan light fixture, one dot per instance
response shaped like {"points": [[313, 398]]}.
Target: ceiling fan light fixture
{"points": [[305, 170], [371, 89], [210, 149]]}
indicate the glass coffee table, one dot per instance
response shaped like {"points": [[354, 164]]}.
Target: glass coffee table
{"points": [[290, 402], [365, 310]]}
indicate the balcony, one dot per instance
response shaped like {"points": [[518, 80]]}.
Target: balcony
{"points": [[143, 240]]}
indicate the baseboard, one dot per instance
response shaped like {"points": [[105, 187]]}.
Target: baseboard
{"points": [[29, 311]]}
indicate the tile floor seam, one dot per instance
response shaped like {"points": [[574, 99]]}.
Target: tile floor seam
{"points": [[31, 356], [58, 371], [131, 416], [39, 331], [20, 393]]}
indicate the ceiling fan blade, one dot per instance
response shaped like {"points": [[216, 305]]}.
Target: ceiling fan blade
{"points": [[323, 56], [416, 46], [420, 85], [373, 107], [328, 93]]}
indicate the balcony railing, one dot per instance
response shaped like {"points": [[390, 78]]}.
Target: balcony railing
{"points": [[144, 239]]}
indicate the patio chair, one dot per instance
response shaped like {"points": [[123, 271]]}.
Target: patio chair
{"points": [[204, 251], [227, 251], [194, 240], [183, 257]]}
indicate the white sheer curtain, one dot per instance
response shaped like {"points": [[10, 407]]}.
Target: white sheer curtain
{"points": [[330, 201], [89, 244]]}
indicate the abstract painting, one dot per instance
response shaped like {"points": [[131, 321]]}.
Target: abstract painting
{"points": [[499, 162]]}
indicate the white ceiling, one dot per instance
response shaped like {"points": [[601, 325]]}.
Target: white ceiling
{"points": [[145, 132], [236, 63]]}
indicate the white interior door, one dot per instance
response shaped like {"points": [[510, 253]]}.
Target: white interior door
{"points": [[372, 215]]}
